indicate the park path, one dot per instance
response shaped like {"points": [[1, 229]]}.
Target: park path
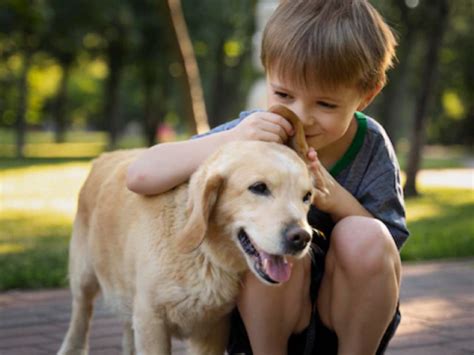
{"points": [[437, 303]]}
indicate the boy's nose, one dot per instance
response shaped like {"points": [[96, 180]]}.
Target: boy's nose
{"points": [[304, 115]]}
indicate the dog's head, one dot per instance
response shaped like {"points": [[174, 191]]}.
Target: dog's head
{"points": [[256, 196]]}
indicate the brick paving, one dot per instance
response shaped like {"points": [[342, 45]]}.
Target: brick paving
{"points": [[437, 303]]}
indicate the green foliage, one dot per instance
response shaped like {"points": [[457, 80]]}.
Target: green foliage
{"points": [[455, 77], [452, 121], [89, 40], [223, 44]]}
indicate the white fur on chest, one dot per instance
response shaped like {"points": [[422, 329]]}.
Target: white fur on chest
{"points": [[189, 304]]}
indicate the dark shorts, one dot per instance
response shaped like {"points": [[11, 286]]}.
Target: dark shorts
{"points": [[316, 339]]}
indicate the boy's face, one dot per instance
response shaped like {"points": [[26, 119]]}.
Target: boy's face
{"points": [[326, 114]]}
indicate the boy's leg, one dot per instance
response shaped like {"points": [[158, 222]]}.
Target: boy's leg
{"points": [[360, 288], [272, 313], [357, 297]]}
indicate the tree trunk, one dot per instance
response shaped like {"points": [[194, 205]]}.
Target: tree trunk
{"points": [[218, 85], [112, 86], [194, 97], [60, 104], [393, 93], [22, 103], [153, 108], [428, 79], [148, 113]]}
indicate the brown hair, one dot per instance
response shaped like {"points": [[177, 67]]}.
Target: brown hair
{"points": [[328, 42]]}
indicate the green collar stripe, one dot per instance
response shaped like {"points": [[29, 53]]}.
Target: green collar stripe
{"points": [[355, 146]]}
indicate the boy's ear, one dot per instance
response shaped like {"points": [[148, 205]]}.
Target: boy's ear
{"points": [[369, 97]]}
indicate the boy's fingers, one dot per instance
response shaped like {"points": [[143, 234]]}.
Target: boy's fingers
{"points": [[312, 155], [316, 169], [275, 130], [281, 121], [267, 136]]}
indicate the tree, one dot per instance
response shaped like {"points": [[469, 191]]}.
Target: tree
{"points": [[194, 97], [152, 57], [452, 121], [408, 24], [115, 29], [439, 21], [24, 21], [223, 44], [63, 42]]}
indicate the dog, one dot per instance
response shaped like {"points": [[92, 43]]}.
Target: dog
{"points": [[171, 264]]}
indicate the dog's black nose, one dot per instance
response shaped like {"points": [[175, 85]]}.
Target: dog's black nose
{"points": [[296, 238]]}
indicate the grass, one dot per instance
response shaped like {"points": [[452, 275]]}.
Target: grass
{"points": [[81, 144], [441, 224], [38, 199], [37, 204], [436, 157], [33, 250]]}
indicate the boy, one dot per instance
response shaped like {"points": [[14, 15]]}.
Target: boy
{"points": [[324, 60]]}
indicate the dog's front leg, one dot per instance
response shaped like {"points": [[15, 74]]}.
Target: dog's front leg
{"points": [[128, 344], [150, 331], [211, 342]]}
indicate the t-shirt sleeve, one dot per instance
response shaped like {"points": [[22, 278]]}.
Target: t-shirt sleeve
{"points": [[382, 195]]}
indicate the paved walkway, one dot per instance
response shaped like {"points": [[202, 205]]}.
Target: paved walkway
{"points": [[437, 303]]}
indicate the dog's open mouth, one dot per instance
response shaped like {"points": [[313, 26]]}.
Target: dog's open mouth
{"points": [[272, 268]]}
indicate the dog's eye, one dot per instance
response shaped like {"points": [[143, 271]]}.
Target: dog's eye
{"points": [[260, 188], [307, 197]]}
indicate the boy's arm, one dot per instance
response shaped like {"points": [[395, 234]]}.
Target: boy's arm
{"points": [[382, 198], [164, 166], [330, 196]]}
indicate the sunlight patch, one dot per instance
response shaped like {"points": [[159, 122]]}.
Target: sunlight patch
{"points": [[11, 248]]}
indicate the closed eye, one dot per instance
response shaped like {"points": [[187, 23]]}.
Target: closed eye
{"points": [[260, 188], [326, 104], [281, 94]]}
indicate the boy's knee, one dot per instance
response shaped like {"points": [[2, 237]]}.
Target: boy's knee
{"points": [[363, 246]]}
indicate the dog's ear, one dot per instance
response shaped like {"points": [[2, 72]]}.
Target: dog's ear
{"points": [[297, 142], [203, 192]]}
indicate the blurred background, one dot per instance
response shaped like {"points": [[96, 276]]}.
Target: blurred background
{"points": [[80, 77]]}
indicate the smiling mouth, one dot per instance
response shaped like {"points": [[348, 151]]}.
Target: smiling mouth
{"points": [[274, 269]]}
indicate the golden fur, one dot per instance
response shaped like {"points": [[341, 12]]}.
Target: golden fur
{"points": [[171, 264]]}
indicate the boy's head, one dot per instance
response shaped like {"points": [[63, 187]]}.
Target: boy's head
{"points": [[330, 43]]}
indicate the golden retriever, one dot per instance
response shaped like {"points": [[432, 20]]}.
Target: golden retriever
{"points": [[171, 264]]}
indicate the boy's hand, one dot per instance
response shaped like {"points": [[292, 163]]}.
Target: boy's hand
{"points": [[330, 197], [326, 186], [264, 126]]}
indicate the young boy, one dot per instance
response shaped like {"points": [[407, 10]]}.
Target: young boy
{"points": [[325, 60]]}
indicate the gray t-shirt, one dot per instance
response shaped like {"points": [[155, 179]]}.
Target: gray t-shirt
{"points": [[369, 170]]}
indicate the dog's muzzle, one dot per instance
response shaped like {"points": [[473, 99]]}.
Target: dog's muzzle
{"points": [[271, 268], [295, 239]]}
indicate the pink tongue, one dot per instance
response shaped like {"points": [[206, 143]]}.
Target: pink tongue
{"points": [[277, 267]]}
